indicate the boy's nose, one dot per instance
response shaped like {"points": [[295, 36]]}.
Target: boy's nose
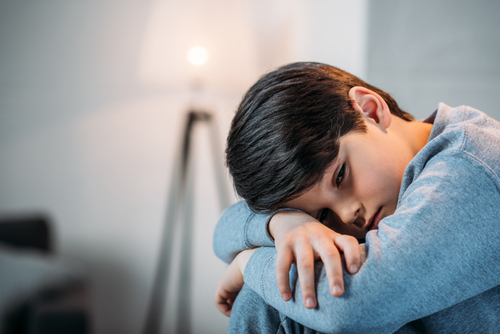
{"points": [[348, 216], [349, 213]]}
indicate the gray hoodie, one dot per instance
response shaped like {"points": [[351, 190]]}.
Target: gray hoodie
{"points": [[437, 258]]}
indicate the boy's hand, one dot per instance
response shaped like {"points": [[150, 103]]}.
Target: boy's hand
{"points": [[301, 239], [231, 283]]}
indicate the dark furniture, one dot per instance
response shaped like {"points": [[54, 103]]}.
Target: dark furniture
{"points": [[39, 292]]}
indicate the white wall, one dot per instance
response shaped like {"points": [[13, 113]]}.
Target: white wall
{"points": [[328, 31], [84, 141]]}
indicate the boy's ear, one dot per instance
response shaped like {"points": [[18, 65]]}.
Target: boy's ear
{"points": [[370, 105]]}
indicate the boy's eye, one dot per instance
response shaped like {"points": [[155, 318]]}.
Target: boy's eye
{"points": [[340, 175], [322, 215]]}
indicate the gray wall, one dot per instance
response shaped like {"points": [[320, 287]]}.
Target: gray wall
{"points": [[429, 51]]}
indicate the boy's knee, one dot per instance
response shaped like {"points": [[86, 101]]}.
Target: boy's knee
{"points": [[250, 314]]}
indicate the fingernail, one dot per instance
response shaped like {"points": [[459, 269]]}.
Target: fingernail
{"points": [[336, 289], [286, 296], [309, 302], [354, 268]]}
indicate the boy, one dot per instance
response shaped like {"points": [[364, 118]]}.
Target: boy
{"points": [[311, 143]]}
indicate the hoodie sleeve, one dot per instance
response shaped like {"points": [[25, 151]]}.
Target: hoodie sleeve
{"points": [[239, 228]]}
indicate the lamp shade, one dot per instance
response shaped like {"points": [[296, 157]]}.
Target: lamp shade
{"points": [[199, 42]]}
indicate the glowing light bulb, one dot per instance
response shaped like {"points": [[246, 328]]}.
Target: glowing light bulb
{"points": [[197, 55]]}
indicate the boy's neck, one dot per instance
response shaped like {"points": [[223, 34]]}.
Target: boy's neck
{"points": [[415, 134]]}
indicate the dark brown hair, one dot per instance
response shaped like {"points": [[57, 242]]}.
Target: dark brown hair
{"points": [[286, 131]]}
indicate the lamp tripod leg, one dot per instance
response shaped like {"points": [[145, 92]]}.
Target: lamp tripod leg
{"points": [[179, 195]]}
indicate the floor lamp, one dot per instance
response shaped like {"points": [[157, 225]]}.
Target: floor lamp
{"points": [[193, 45], [177, 195]]}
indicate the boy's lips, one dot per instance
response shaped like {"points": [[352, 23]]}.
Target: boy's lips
{"points": [[374, 220]]}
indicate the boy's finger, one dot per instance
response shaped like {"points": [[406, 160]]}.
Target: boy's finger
{"points": [[305, 267], [283, 264], [223, 305], [350, 246], [333, 268], [224, 309]]}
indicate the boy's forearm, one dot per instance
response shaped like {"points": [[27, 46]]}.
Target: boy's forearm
{"points": [[332, 315], [243, 258], [238, 229]]}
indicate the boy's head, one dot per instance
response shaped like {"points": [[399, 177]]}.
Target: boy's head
{"points": [[286, 131]]}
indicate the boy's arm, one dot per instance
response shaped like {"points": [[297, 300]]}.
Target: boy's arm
{"points": [[239, 228], [231, 283], [439, 249], [325, 245]]}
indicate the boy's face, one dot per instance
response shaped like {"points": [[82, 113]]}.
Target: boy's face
{"points": [[361, 186]]}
